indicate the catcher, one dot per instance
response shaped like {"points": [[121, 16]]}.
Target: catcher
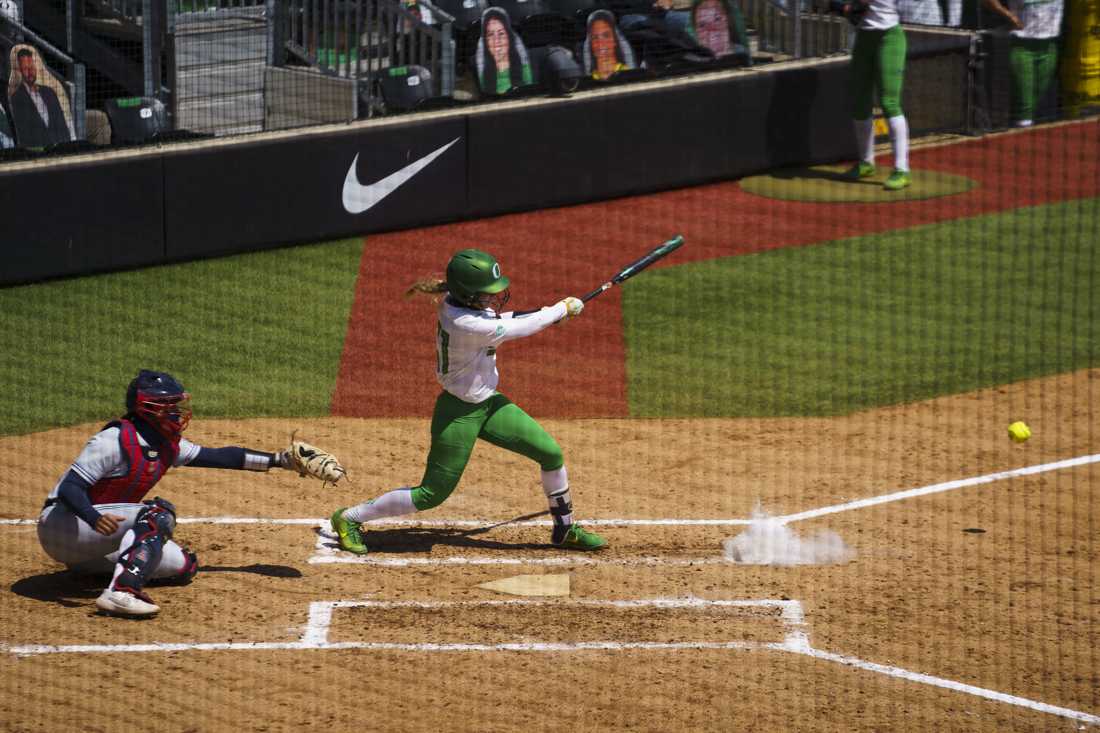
{"points": [[94, 519]]}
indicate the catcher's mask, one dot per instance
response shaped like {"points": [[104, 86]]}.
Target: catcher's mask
{"points": [[161, 401], [474, 279]]}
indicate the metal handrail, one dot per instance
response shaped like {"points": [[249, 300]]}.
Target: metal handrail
{"points": [[358, 39], [798, 28]]}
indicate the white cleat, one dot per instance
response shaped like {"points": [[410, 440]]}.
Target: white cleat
{"points": [[125, 604]]}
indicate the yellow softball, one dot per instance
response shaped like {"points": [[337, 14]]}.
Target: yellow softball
{"points": [[1019, 431]]}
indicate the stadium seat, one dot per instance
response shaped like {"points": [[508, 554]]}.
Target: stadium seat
{"points": [[556, 70], [520, 10], [576, 12], [406, 87], [135, 119], [536, 22], [7, 128], [7, 131]]}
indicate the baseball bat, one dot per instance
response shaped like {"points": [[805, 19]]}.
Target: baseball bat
{"points": [[638, 265]]}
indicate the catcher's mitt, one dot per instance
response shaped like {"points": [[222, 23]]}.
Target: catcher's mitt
{"points": [[309, 460]]}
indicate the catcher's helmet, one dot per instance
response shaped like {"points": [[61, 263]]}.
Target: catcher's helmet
{"points": [[474, 279], [160, 400]]}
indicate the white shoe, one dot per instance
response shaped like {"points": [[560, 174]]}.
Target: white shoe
{"points": [[125, 604]]}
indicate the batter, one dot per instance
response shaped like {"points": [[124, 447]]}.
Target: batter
{"points": [[470, 327]]}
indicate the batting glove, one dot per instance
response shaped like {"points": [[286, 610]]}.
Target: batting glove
{"points": [[573, 306]]}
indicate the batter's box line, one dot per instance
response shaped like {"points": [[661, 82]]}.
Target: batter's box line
{"points": [[796, 641], [327, 551]]}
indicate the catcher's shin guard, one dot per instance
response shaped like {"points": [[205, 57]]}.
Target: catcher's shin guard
{"points": [[153, 526], [185, 575]]}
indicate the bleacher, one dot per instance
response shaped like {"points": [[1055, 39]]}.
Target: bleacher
{"points": [[131, 72]]}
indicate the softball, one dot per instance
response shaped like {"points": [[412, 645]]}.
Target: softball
{"points": [[1019, 431]]}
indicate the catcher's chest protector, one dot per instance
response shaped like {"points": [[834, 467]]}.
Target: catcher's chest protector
{"points": [[146, 465]]}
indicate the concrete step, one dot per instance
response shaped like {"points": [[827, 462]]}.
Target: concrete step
{"points": [[224, 18], [224, 115], [220, 80], [221, 46]]}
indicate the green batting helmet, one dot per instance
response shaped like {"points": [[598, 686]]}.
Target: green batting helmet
{"points": [[471, 273]]}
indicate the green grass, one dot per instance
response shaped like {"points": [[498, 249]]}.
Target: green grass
{"points": [[876, 320], [252, 335]]}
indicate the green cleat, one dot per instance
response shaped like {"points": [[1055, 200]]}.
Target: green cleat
{"points": [[577, 538], [898, 180], [348, 533], [862, 169]]}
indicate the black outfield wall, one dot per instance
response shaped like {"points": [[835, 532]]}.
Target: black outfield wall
{"points": [[269, 193], [630, 143], [185, 202], [73, 219]]}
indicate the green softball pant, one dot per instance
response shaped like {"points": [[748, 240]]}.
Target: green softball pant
{"points": [[878, 60], [1033, 61], [456, 427]]}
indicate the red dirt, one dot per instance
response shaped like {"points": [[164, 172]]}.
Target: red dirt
{"points": [[579, 370]]}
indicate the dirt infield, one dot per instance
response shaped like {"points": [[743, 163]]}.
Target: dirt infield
{"points": [[647, 641]]}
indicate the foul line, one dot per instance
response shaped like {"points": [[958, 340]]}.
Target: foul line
{"points": [[936, 488], [785, 519]]}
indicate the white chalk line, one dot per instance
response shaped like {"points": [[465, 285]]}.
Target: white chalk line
{"points": [[315, 634], [946, 684], [564, 560], [673, 522], [315, 638], [327, 551], [937, 488]]}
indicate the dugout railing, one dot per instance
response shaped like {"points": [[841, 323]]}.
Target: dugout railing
{"points": [[794, 29]]}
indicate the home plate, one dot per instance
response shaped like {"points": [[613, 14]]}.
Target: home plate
{"points": [[531, 585]]}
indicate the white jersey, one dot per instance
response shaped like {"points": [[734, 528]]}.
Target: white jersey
{"points": [[881, 15], [466, 345], [102, 457], [1041, 18]]}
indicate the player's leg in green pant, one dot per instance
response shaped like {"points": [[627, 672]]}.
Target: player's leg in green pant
{"points": [[1021, 61], [455, 428], [455, 425], [511, 428], [861, 81], [891, 74], [1033, 62]]}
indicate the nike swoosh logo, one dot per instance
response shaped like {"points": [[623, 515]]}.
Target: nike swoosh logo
{"points": [[358, 198]]}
